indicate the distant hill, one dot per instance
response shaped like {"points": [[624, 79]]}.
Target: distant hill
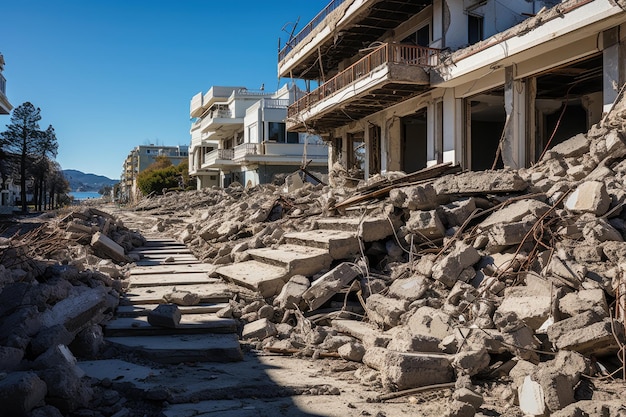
{"points": [[79, 181]]}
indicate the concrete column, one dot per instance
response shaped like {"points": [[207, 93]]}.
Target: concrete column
{"points": [[368, 150], [394, 144], [613, 57], [514, 145], [453, 127]]}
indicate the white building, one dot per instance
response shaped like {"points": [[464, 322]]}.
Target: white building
{"points": [[420, 82], [240, 135]]}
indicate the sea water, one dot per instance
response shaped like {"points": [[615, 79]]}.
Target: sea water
{"points": [[84, 195]]}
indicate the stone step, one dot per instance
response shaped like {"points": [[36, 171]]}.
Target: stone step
{"points": [[189, 324], [370, 229], [209, 293], [161, 261], [154, 242], [296, 259], [162, 250], [172, 269], [257, 276], [172, 349], [338, 244], [144, 309], [156, 280]]}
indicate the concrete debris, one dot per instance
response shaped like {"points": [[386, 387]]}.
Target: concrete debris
{"points": [[512, 277]]}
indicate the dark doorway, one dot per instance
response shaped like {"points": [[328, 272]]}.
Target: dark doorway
{"points": [[414, 142], [487, 120]]}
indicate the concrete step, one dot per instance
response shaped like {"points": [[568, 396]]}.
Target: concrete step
{"points": [[161, 261], [162, 250], [338, 244], [171, 269], [370, 229], [156, 280], [296, 259], [144, 309], [257, 276], [172, 349], [189, 324], [209, 293], [152, 242]]}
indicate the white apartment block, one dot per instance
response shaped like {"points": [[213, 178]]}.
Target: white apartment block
{"points": [[239, 135], [406, 84]]}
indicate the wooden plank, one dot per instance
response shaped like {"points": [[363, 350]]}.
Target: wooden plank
{"points": [[212, 293], [144, 309], [189, 324], [184, 278]]}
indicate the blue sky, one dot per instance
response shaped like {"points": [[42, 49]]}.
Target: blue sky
{"points": [[113, 74]]}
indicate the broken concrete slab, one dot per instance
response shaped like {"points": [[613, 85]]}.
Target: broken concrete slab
{"points": [[589, 197], [385, 311], [483, 182], [593, 338], [189, 324], [339, 245], [77, 311], [259, 329], [409, 289], [255, 275], [417, 197], [108, 247], [213, 293], [365, 332], [183, 278], [531, 306], [515, 212], [326, 286], [295, 259], [291, 294], [368, 229], [575, 146]]}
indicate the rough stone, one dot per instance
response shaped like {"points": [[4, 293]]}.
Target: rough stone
{"points": [[111, 249], [575, 146], [460, 409], [409, 289], [78, 311], [352, 351], [457, 212], [10, 358], [578, 302], [165, 315], [259, 329], [182, 298], [405, 341], [418, 197], [515, 212], [468, 396], [291, 294], [594, 339], [67, 391], [429, 321], [482, 182], [50, 336], [20, 392], [385, 311], [426, 224], [448, 269], [508, 234], [402, 370], [531, 306]]}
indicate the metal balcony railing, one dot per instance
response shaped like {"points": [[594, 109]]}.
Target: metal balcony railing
{"points": [[3, 85], [291, 43], [412, 55]]}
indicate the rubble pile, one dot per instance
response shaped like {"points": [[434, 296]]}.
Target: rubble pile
{"points": [[508, 276], [58, 283]]}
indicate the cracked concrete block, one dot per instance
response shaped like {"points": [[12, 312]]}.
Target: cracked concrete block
{"points": [[578, 302], [20, 392], [165, 315], [471, 362], [108, 247], [403, 370], [457, 212], [50, 336], [353, 351], [67, 391], [182, 298], [291, 294], [594, 339], [529, 306], [78, 310], [515, 212], [480, 182], [448, 269], [508, 234], [326, 286], [589, 197], [430, 322], [385, 311], [259, 329], [404, 341], [575, 146], [557, 389], [417, 197], [468, 396], [426, 224]]}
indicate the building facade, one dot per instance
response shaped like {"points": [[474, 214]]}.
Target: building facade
{"points": [[412, 83], [239, 135], [8, 190], [140, 158]]}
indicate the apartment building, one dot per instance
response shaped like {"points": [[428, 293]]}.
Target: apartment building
{"points": [[140, 158], [405, 84], [8, 190], [239, 135]]}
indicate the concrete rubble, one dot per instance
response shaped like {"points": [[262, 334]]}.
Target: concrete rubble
{"points": [[505, 288]]}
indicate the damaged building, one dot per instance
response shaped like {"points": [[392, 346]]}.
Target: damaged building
{"points": [[405, 84]]}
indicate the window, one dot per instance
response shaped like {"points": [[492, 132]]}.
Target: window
{"points": [[276, 132], [420, 37], [293, 137], [474, 28]]}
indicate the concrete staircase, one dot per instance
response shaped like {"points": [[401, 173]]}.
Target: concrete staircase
{"points": [[201, 336]]}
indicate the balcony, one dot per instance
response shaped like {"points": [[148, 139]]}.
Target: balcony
{"points": [[339, 31], [280, 153], [388, 75], [218, 119], [219, 158]]}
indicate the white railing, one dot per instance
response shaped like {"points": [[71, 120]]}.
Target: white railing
{"points": [[274, 103]]}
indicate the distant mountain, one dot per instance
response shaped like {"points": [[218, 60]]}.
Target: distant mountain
{"points": [[79, 181]]}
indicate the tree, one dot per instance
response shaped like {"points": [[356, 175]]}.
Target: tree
{"points": [[46, 148], [23, 138], [58, 187]]}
